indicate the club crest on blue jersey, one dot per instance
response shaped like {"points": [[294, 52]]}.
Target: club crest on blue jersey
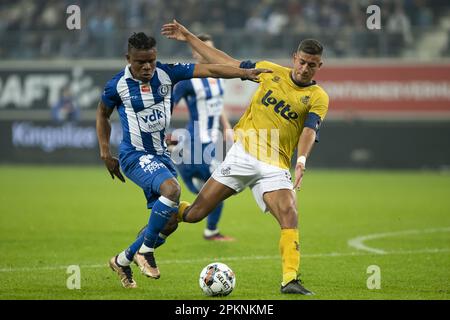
{"points": [[144, 108], [163, 90]]}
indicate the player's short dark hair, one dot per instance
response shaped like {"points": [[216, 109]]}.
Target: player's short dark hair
{"points": [[310, 46], [205, 37], [141, 41]]}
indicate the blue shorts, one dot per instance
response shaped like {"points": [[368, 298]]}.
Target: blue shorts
{"points": [[201, 171], [148, 171]]}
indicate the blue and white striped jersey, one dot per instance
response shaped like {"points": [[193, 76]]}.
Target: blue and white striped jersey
{"points": [[204, 98], [145, 108]]}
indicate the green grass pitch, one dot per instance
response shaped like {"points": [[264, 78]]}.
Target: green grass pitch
{"points": [[51, 218]]}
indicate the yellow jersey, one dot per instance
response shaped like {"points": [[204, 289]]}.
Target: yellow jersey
{"points": [[271, 126]]}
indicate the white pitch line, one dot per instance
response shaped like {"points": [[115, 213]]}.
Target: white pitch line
{"points": [[190, 261], [358, 242]]}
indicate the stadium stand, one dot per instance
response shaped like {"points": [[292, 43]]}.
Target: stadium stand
{"points": [[36, 28]]}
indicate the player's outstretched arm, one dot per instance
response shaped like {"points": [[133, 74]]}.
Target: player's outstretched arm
{"points": [[103, 127], [179, 32], [226, 127], [305, 145], [227, 72]]}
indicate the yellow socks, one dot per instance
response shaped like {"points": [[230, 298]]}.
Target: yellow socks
{"points": [[181, 208], [290, 254]]}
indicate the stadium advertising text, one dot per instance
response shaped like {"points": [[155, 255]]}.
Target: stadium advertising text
{"points": [[52, 137], [364, 90], [37, 89]]}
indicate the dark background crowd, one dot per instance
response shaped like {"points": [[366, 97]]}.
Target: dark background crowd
{"points": [[37, 28]]}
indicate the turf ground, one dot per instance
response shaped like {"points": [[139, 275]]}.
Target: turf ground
{"points": [[51, 218]]}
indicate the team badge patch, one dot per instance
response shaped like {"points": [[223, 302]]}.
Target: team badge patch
{"points": [[305, 100], [226, 171], [163, 90], [276, 79]]}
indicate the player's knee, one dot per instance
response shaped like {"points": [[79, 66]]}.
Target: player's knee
{"points": [[288, 217], [171, 190]]}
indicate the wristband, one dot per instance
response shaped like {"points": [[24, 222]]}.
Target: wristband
{"points": [[302, 160]]}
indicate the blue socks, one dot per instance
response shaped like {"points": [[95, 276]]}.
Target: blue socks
{"points": [[131, 250], [162, 211]]}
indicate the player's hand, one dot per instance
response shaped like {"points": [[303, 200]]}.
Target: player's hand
{"points": [[171, 140], [112, 164], [175, 31], [299, 172], [253, 74]]}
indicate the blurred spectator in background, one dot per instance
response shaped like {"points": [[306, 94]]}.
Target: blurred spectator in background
{"points": [[36, 28], [399, 26], [66, 109]]}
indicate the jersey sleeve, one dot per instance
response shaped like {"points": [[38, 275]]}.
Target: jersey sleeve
{"points": [[247, 64], [110, 97], [178, 71], [317, 113], [319, 105], [181, 90], [259, 65]]}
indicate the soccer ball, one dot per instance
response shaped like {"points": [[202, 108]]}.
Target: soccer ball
{"points": [[217, 279]]}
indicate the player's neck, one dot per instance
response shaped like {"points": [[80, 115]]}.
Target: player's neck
{"points": [[301, 84]]}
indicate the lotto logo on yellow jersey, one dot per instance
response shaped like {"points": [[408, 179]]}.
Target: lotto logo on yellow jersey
{"points": [[279, 106]]}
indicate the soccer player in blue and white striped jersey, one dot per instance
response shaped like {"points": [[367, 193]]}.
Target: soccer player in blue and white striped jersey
{"points": [[141, 93], [204, 98]]}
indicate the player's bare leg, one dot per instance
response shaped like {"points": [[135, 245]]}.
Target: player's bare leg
{"points": [[212, 193], [283, 206]]}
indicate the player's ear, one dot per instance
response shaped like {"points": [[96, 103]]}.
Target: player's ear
{"points": [[128, 57], [320, 64]]}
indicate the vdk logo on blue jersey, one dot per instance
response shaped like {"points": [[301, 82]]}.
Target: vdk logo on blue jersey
{"points": [[154, 116], [279, 106]]}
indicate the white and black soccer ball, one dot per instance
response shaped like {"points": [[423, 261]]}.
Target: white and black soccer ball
{"points": [[217, 279]]}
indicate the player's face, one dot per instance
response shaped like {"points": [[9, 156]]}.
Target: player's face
{"points": [[305, 66], [142, 63], [197, 57]]}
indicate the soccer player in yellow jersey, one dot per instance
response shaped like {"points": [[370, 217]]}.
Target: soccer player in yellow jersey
{"points": [[285, 114]]}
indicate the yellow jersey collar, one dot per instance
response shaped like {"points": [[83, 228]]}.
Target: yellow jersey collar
{"points": [[301, 85]]}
